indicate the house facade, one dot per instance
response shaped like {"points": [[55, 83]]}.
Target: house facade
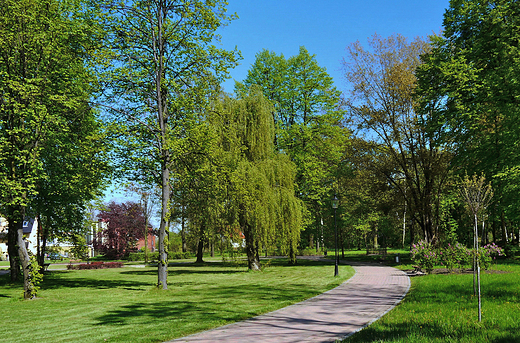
{"points": [[30, 234], [30, 231], [150, 243]]}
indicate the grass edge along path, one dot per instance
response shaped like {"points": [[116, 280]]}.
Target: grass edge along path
{"points": [[373, 291], [122, 305], [442, 308]]}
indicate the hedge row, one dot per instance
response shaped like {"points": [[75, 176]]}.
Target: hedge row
{"points": [[426, 256], [309, 252], [154, 256], [95, 265]]}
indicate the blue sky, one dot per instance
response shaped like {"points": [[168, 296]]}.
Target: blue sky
{"points": [[324, 27]]}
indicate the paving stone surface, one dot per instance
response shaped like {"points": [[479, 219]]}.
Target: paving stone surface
{"points": [[336, 314]]}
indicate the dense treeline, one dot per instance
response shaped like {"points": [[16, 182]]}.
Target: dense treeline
{"points": [[258, 167]]}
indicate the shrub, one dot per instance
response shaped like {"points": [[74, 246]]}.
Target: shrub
{"points": [[309, 252], [178, 255], [154, 256], [139, 256], [136, 256], [488, 253], [36, 276], [454, 256], [424, 255], [95, 265], [512, 250]]}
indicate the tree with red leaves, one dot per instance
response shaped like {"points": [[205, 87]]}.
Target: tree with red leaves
{"points": [[125, 227]]}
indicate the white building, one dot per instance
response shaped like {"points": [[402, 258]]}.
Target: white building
{"points": [[30, 230]]}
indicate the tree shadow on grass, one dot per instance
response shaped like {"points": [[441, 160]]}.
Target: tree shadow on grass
{"points": [[60, 279], [179, 271], [216, 304], [444, 291]]}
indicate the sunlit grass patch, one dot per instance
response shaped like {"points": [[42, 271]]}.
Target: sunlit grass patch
{"points": [[442, 308], [123, 305]]}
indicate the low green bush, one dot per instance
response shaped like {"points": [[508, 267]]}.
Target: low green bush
{"points": [[488, 253], [95, 265], [512, 251], [154, 256], [309, 252], [454, 256], [426, 257], [179, 255]]}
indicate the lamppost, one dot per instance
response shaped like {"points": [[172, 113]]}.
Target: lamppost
{"points": [[335, 203]]}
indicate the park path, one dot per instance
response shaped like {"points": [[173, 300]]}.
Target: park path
{"points": [[336, 314]]}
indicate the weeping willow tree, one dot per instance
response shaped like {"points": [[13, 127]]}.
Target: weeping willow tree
{"points": [[261, 195]]}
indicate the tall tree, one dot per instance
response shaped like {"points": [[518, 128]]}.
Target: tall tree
{"points": [[262, 202], [201, 183], [164, 67], [383, 105], [469, 82], [369, 200], [43, 86], [75, 168], [308, 115], [125, 224]]}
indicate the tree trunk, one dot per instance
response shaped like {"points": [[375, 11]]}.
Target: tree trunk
{"points": [[292, 254], [39, 251], [18, 251], [253, 262], [412, 232], [162, 121], [318, 227], [503, 227], [12, 250], [258, 252], [28, 286], [475, 240], [44, 248], [162, 269], [43, 234], [183, 231], [404, 223], [200, 251], [146, 237], [478, 271]]}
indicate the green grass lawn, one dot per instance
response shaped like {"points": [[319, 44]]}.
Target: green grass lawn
{"points": [[122, 305], [442, 308]]}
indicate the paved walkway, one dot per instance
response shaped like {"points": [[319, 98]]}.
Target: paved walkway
{"points": [[336, 314]]}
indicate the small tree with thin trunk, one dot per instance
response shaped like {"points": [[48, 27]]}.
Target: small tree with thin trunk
{"points": [[125, 228], [477, 195]]}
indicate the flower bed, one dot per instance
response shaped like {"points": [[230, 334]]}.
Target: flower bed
{"points": [[426, 257]]}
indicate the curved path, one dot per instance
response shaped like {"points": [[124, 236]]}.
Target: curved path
{"points": [[336, 314]]}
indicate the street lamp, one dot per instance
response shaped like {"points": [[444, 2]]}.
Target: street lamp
{"points": [[335, 203]]}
